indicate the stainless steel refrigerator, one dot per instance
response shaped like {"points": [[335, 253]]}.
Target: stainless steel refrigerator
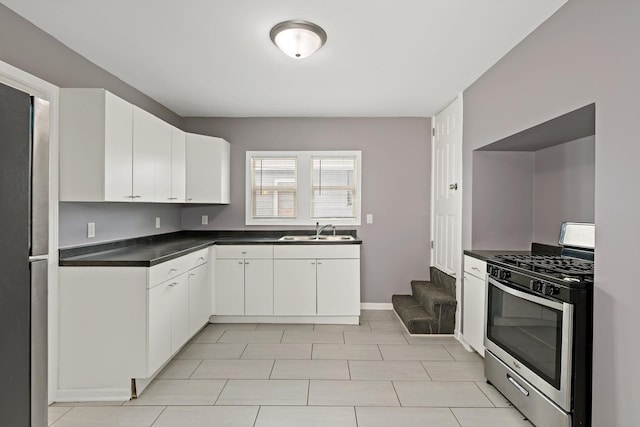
{"points": [[24, 244]]}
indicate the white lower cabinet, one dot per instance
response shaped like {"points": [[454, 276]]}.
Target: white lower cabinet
{"points": [[316, 280], [229, 287], [123, 323], [258, 287], [168, 312], [474, 303], [199, 302], [244, 280], [294, 287], [338, 287]]}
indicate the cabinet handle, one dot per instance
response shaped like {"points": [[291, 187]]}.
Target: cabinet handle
{"points": [[243, 252], [189, 199], [171, 285], [246, 263], [313, 263], [192, 274], [137, 197], [319, 263], [201, 258], [129, 197], [240, 262], [173, 198], [475, 268], [173, 269]]}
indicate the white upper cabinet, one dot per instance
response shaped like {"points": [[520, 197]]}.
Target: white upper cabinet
{"points": [[208, 166], [151, 158], [178, 165], [96, 146], [112, 151]]}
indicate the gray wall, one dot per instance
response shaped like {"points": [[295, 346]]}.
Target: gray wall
{"points": [[396, 164], [584, 53], [564, 187], [506, 221], [27, 47], [115, 221]]}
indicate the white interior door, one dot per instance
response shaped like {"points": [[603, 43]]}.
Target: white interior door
{"points": [[447, 193]]}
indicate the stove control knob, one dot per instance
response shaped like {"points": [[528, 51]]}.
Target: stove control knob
{"points": [[536, 286], [505, 274], [550, 290]]}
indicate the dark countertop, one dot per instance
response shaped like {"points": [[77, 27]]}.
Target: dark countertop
{"points": [[152, 250]]}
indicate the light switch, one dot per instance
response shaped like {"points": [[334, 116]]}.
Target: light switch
{"points": [[91, 230], [205, 219], [157, 222], [369, 218]]}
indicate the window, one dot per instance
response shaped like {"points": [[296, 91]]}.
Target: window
{"points": [[333, 187], [273, 187], [303, 187]]}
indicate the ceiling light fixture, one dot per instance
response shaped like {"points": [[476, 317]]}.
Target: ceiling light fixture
{"points": [[298, 39]]}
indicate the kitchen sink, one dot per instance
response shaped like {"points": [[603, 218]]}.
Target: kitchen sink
{"points": [[340, 238]]}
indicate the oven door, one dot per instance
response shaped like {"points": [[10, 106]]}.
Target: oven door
{"points": [[532, 335]]}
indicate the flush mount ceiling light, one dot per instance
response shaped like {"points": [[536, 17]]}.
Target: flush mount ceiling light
{"points": [[298, 39]]}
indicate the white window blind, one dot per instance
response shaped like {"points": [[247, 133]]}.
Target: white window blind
{"points": [[273, 187], [333, 187]]}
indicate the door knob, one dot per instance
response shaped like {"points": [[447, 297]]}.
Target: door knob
{"points": [[453, 186]]}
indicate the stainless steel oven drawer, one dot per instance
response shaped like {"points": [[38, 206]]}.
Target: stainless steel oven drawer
{"points": [[541, 411]]}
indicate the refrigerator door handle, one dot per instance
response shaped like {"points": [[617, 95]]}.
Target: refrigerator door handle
{"points": [[40, 178], [35, 258]]}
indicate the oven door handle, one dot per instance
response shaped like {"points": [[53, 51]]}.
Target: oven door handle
{"points": [[531, 298], [517, 385]]}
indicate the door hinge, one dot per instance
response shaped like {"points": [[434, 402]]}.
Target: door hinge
{"points": [[433, 131], [432, 244]]}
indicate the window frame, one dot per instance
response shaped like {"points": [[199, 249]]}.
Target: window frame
{"points": [[304, 189]]}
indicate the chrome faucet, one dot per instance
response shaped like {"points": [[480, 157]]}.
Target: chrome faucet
{"points": [[320, 229]]}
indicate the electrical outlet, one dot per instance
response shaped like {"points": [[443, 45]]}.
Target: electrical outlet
{"points": [[91, 230], [369, 218], [157, 222], [205, 219]]}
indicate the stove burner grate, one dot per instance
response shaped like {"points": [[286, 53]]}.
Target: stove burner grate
{"points": [[553, 265]]}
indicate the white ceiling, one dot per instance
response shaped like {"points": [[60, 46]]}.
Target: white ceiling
{"points": [[215, 57]]}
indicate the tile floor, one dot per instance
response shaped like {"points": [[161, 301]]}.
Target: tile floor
{"points": [[268, 375]]}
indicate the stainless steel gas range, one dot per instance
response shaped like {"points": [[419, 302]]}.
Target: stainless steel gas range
{"points": [[539, 329]]}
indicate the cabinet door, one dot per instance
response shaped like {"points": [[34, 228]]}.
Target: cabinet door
{"points": [[159, 304], [473, 312], [199, 298], [207, 169], [258, 287], [163, 150], [339, 287], [118, 149], [146, 131], [294, 287], [179, 312], [178, 165], [229, 287]]}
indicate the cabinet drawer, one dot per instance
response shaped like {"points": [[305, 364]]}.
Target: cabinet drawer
{"points": [[475, 267], [167, 270], [197, 258], [316, 251], [244, 251], [172, 268]]}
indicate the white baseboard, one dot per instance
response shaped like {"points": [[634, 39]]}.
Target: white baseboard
{"points": [[376, 306]]}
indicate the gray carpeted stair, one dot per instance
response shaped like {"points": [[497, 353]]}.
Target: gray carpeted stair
{"points": [[432, 307]]}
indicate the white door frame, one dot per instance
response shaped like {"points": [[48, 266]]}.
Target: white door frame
{"points": [[458, 224], [21, 80]]}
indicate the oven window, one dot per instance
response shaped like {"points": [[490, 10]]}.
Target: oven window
{"points": [[530, 332]]}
